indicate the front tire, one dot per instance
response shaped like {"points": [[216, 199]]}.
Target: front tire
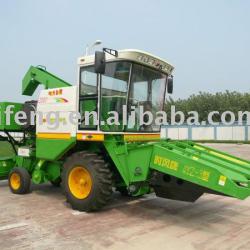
{"points": [[19, 181], [87, 181]]}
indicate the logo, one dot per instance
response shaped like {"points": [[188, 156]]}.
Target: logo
{"points": [[165, 162], [155, 63], [55, 92], [60, 100]]}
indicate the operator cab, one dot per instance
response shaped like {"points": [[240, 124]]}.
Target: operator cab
{"points": [[126, 82]]}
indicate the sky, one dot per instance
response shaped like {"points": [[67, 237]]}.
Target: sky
{"points": [[208, 42]]}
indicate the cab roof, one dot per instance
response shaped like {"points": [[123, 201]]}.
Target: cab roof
{"points": [[134, 55]]}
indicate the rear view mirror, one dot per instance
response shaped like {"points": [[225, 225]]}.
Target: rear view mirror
{"points": [[170, 85], [100, 62]]}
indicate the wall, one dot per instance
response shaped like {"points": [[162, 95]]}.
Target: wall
{"points": [[220, 132]]}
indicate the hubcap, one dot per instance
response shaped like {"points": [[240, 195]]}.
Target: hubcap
{"points": [[15, 181], [80, 182]]}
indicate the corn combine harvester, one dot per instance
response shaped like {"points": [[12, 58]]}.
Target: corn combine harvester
{"points": [[91, 160]]}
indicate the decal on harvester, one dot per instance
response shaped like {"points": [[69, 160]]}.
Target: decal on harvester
{"points": [[60, 100], [54, 120], [141, 137], [54, 100], [222, 180], [55, 92], [165, 162], [53, 97], [198, 173], [155, 63], [90, 137]]}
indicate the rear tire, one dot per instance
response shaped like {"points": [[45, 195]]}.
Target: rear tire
{"points": [[86, 181], [19, 181]]}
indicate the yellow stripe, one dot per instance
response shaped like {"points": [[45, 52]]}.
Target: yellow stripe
{"points": [[53, 135], [141, 137], [223, 156], [195, 158], [90, 137], [198, 147], [229, 158]]}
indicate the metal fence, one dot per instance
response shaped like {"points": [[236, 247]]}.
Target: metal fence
{"points": [[218, 133]]}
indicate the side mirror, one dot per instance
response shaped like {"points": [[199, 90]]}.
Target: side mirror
{"points": [[100, 62], [170, 85]]}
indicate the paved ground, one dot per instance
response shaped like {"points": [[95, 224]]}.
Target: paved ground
{"points": [[42, 220]]}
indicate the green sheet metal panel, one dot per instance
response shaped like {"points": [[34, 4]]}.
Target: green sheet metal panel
{"points": [[53, 149], [36, 76], [5, 167], [7, 159]]}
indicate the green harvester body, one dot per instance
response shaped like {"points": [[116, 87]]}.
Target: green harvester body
{"points": [[140, 163]]}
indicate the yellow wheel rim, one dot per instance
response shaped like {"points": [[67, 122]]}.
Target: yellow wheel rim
{"points": [[80, 182], [15, 181]]}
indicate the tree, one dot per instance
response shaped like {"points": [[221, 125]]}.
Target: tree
{"points": [[204, 103]]}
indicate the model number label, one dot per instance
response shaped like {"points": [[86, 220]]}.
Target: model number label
{"points": [[197, 173], [24, 152], [155, 63]]}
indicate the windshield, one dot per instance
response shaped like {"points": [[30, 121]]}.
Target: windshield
{"points": [[146, 92]]}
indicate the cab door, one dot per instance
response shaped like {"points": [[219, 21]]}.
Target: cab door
{"points": [[88, 98]]}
